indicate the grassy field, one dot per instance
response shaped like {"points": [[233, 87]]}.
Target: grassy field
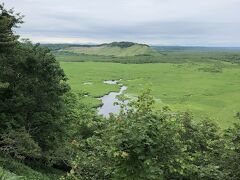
{"points": [[158, 56], [196, 87]]}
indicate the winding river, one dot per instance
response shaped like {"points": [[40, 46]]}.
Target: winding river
{"points": [[109, 99]]}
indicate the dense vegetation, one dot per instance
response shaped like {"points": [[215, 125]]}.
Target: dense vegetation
{"points": [[31, 99], [46, 132], [144, 144], [123, 44]]}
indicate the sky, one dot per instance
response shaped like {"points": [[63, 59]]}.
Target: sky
{"points": [[155, 22]]}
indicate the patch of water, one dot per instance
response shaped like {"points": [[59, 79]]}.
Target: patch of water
{"points": [[108, 102], [87, 83], [110, 82]]}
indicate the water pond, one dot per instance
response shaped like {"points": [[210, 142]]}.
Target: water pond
{"points": [[109, 99]]}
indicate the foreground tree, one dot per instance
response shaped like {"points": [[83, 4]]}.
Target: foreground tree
{"points": [[8, 21], [32, 86], [230, 158], [142, 143]]}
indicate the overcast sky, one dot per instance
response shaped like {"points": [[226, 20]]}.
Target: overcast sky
{"points": [[163, 22]]}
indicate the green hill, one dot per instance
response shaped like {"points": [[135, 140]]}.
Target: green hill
{"points": [[116, 49]]}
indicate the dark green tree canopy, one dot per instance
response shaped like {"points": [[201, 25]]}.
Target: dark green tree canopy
{"points": [[8, 21], [32, 87]]}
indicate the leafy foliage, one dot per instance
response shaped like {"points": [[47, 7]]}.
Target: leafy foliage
{"points": [[22, 171], [19, 143], [142, 143], [8, 20], [123, 44], [31, 97], [231, 155], [6, 175]]}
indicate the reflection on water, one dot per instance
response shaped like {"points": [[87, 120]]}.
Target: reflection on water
{"points": [[108, 100]]}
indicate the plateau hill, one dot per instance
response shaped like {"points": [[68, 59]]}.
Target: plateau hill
{"points": [[116, 49]]}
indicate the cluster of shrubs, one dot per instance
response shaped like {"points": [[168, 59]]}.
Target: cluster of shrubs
{"points": [[213, 68]]}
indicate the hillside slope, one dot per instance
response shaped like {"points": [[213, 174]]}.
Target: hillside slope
{"points": [[116, 49]]}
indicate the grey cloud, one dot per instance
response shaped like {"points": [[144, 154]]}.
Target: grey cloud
{"points": [[171, 22]]}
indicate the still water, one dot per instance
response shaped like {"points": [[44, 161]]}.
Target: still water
{"points": [[108, 101]]}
